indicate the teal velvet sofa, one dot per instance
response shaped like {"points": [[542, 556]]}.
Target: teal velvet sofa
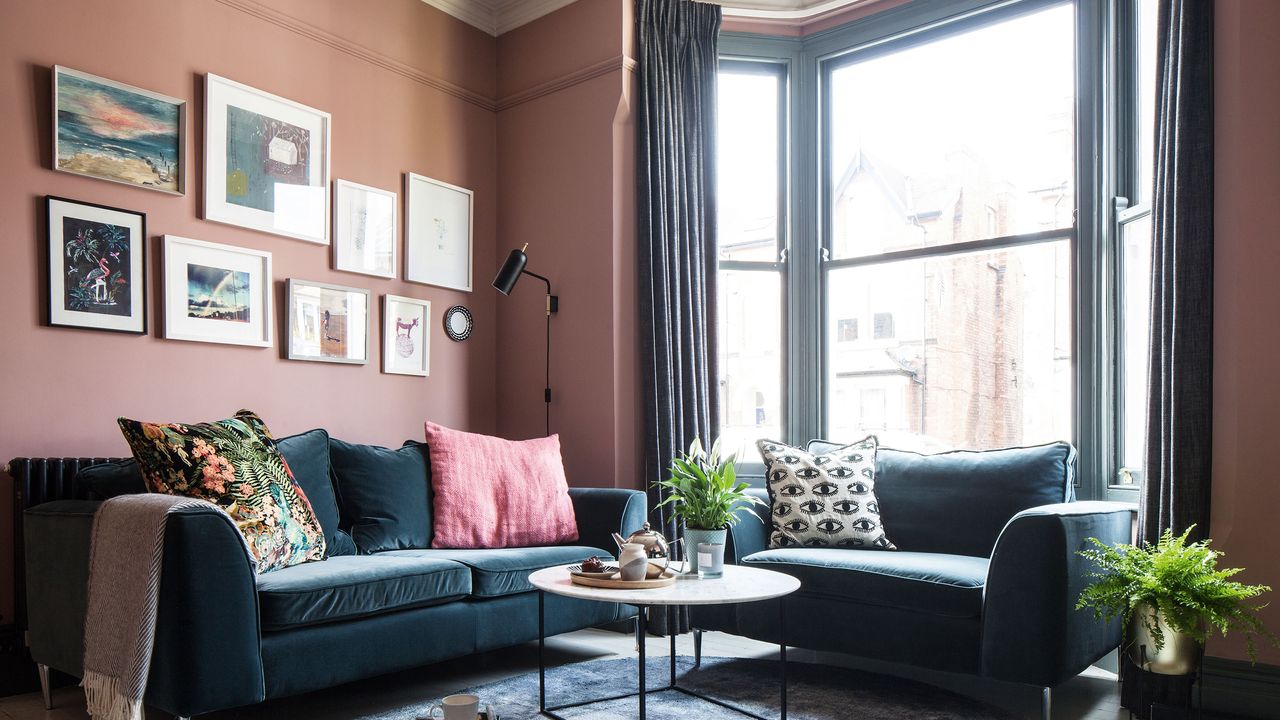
{"points": [[984, 581], [382, 600]]}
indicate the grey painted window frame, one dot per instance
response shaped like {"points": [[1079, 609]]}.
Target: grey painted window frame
{"points": [[1104, 127]]}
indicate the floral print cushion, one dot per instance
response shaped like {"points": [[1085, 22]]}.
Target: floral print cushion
{"points": [[235, 465]]}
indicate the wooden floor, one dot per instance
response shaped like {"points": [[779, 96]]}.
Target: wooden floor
{"points": [[1093, 695]]}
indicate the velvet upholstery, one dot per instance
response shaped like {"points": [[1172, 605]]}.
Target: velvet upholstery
{"points": [[597, 510], [107, 480], [927, 582], [494, 572], [346, 587], [513, 619], [308, 457], [957, 502], [383, 495], [57, 537]]}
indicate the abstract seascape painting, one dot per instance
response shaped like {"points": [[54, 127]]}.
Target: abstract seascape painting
{"points": [[112, 131]]}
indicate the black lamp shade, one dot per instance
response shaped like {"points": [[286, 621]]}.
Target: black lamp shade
{"points": [[510, 271]]}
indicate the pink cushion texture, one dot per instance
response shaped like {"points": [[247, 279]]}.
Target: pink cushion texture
{"points": [[495, 493]]}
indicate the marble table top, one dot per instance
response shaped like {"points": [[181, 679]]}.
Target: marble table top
{"points": [[739, 584]]}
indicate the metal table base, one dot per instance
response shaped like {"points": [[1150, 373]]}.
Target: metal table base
{"points": [[642, 691]]}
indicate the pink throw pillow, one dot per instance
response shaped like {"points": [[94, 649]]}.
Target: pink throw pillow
{"points": [[494, 493]]}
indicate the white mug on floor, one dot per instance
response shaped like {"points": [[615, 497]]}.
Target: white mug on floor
{"points": [[455, 707]]}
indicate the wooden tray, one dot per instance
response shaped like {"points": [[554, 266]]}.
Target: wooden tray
{"points": [[666, 579]]}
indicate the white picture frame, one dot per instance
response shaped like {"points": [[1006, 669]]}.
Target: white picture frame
{"points": [[217, 293], [365, 240], [266, 162], [150, 149], [406, 342], [438, 231], [326, 323]]}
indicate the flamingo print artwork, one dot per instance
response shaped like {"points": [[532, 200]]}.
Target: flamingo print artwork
{"points": [[97, 277], [404, 341]]}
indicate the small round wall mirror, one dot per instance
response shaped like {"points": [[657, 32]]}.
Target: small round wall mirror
{"points": [[458, 323]]}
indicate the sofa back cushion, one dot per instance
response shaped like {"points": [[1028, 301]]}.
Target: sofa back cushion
{"points": [[307, 455], [958, 502], [383, 495]]}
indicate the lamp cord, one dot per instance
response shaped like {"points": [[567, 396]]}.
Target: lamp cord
{"points": [[546, 391]]}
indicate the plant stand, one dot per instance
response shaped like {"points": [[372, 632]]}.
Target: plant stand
{"points": [[1153, 696]]}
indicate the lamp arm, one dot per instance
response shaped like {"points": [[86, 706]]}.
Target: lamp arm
{"points": [[553, 302]]}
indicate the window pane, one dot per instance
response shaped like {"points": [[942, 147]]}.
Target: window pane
{"points": [[750, 309], [1146, 98], [963, 138], [747, 166], [979, 355], [1135, 324]]}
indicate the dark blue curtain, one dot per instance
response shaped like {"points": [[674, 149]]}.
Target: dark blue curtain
{"points": [[675, 161], [1180, 408]]}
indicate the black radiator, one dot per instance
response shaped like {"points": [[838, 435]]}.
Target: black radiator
{"points": [[37, 481]]}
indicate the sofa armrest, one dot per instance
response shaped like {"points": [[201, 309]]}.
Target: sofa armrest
{"points": [[603, 511], [207, 647], [751, 533], [1031, 631]]}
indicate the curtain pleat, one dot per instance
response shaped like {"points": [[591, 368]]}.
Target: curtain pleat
{"points": [[1176, 493], [676, 47]]}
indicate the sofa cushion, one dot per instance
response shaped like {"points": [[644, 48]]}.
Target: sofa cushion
{"points": [[504, 571], [488, 492], [826, 499], [236, 465], [958, 502], [928, 582], [382, 494], [342, 588], [308, 457], [108, 480]]}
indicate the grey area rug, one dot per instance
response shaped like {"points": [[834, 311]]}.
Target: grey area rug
{"points": [[814, 692]]}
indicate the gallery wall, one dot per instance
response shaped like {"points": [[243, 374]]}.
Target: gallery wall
{"points": [[409, 89]]}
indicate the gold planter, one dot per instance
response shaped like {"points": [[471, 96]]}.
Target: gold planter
{"points": [[1180, 654]]}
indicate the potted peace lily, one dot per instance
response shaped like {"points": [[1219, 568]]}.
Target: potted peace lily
{"points": [[1171, 596], [703, 492]]}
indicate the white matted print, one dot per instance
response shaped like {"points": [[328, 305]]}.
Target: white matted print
{"points": [[327, 323], [97, 266], [406, 344], [437, 230], [216, 293], [266, 162], [364, 229]]}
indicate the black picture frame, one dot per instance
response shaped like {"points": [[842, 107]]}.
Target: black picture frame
{"points": [[108, 272]]}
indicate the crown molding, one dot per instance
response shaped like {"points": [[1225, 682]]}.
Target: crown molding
{"points": [[497, 16], [785, 9]]}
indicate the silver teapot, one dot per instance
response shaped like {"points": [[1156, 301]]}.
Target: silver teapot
{"points": [[656, 547]]}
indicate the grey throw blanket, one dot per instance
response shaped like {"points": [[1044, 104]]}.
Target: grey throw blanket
{"points": [[124, 586]]}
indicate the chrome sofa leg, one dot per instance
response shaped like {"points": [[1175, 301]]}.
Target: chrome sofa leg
{"points": [[1046, 704], [45, 691], [697, 647]]}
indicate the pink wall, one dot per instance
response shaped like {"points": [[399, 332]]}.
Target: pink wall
{"points": [[409, 88], [566, 140], [1246, 487]]}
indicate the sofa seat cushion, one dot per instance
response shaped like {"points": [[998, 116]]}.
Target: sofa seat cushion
{"points": [[351, 586], [927, 582], [504, 571]]}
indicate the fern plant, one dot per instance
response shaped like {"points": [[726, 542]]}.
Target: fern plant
{"points": [[703, 488], [1179, 581]]}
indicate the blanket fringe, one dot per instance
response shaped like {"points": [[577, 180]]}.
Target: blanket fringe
{"points": [[106, 700]]}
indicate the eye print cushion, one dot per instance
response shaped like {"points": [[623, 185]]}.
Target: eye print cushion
{"points": [[825, 500]]}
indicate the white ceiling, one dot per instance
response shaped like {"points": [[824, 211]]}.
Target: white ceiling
{"points": [[498, 16]]}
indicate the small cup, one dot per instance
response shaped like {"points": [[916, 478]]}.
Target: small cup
{"points": [[710, 560], [455, 707]]}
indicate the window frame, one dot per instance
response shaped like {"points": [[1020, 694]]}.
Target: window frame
{"points": [[1105, 106]]}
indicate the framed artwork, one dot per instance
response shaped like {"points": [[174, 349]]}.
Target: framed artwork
{"points": [[327, 323], [364, 229], [266, 162], [112, 131], [97, 266], [216, 293], [406, 347], [437, 228]]}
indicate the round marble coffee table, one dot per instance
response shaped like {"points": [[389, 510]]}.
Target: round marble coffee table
{"points": [[738, 585]]}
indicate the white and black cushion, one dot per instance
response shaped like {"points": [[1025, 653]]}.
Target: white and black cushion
{"points": [[825, 500]]}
